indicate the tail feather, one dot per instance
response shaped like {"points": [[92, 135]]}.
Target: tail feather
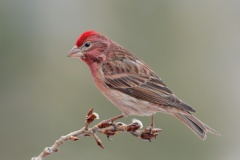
{"points": [[198, 127]]}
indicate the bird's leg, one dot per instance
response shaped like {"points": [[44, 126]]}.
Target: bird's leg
{"points": [[150, 132], [151, 127], [152, 124]]}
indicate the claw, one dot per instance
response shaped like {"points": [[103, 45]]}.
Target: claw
{"points": [[150, 133], [108, 137]]}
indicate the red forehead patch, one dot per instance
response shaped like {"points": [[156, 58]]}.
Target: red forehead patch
{"points": [[86, 34]]}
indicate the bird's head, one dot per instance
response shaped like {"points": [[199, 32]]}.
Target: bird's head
{"points": [[90, 47]]}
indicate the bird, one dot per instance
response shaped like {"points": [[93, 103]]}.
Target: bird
{"points": [[130, 84]]}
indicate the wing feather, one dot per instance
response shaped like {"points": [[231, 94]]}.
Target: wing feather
{"points": [[133, 77]]}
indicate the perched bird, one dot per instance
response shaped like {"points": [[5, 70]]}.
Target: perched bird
{"points": [[130, 84]]}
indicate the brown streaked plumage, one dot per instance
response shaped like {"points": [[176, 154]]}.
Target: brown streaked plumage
{"points": [[130, 84]]}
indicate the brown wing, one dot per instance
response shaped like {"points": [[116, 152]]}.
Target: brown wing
{"points": [[133, 77]]}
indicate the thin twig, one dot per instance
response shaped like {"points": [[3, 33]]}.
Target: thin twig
{"points": [[107, 127]]}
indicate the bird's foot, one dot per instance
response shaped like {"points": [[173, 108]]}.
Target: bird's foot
{"points": [[150, 132]]}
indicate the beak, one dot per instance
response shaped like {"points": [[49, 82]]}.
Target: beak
{"points": [[75, 52]]}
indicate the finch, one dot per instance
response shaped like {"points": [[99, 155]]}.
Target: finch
{"points": [[130, 84]]}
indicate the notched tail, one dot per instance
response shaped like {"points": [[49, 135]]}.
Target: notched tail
{"points": [[198, 127]]}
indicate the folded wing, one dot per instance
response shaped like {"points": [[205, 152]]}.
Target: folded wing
{"points": [[134, 78]]}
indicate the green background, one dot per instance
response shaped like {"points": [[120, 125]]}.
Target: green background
{"points": [[193, 45]]}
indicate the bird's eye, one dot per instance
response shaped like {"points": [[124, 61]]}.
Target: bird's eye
{"points": [[87, 44]]}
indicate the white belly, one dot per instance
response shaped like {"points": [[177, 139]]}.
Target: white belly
{"points": [[132, 106]]}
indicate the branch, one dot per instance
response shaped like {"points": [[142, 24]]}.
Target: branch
{"points": [[107, 127]]}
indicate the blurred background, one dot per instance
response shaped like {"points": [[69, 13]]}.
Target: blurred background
{"points": [[193, 46]]}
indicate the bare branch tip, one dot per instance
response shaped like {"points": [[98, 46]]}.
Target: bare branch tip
{"points": [[99, 142], [90, 112]]}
